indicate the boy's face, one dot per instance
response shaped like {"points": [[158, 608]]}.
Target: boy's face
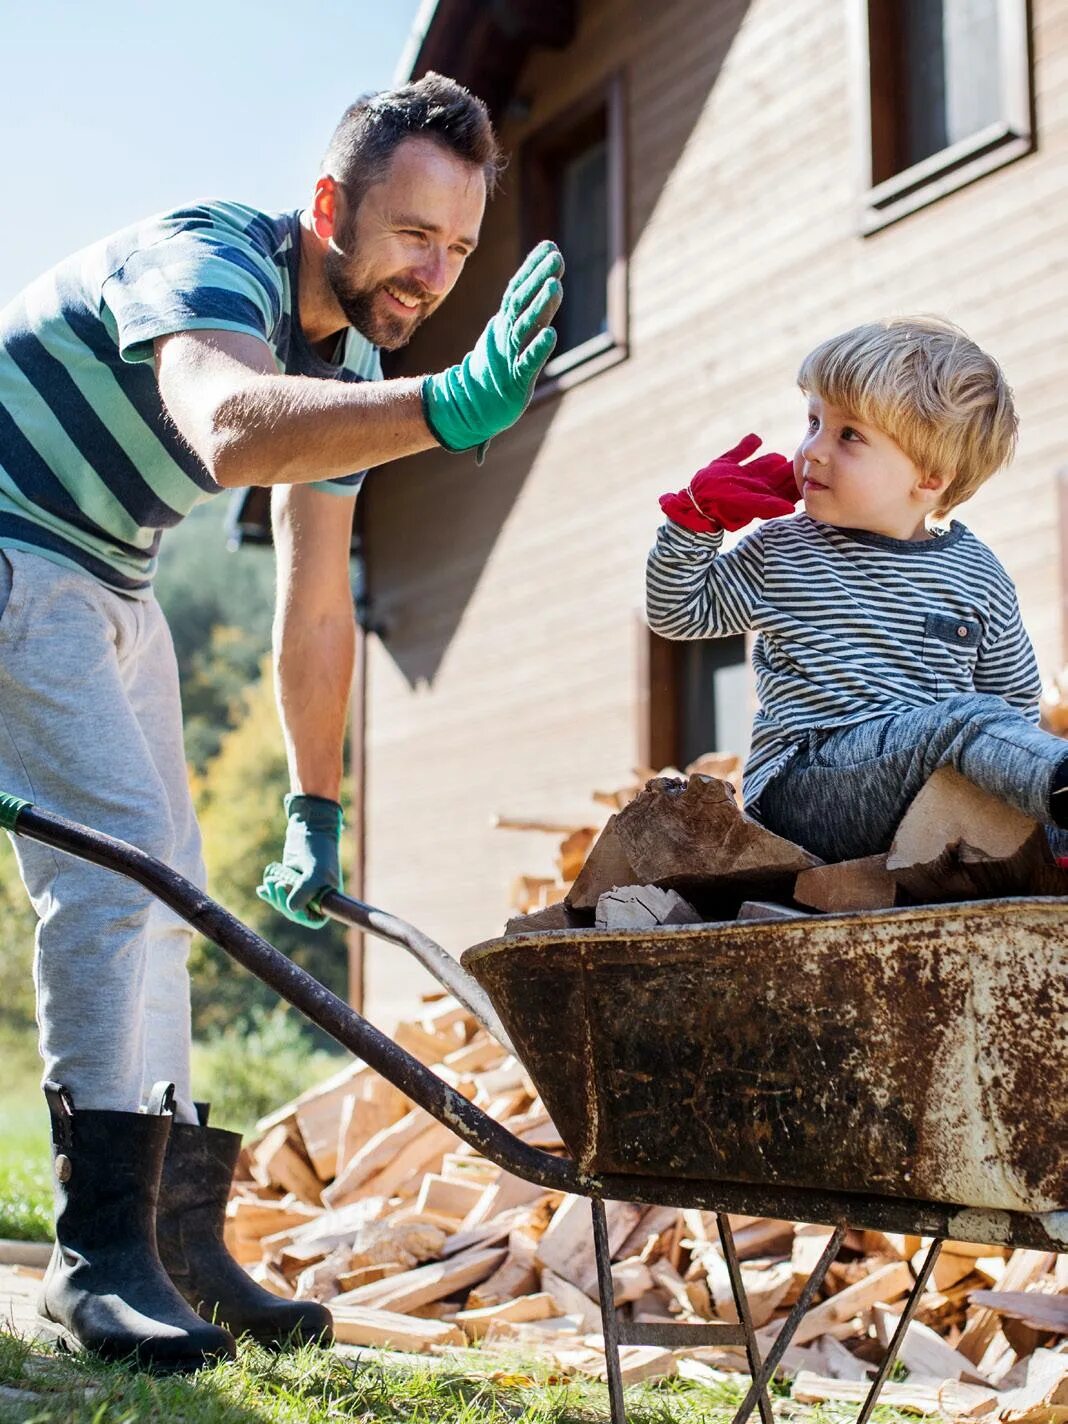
{"points": [[854, 476]]}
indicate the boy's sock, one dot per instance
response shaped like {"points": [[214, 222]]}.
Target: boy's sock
{"points": [[1058, 795]]}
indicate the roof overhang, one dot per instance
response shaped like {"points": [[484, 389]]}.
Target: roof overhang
{"points": [[484, 43]]}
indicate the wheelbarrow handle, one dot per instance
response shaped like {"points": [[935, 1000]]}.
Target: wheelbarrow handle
{"points": [[298, 987], [452, 977]]}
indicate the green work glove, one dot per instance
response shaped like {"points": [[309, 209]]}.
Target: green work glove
{"points": [[467, 405], [310, 864]]}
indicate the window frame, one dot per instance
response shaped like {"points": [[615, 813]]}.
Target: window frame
{"points": [[536, 153], [1010, 137]]}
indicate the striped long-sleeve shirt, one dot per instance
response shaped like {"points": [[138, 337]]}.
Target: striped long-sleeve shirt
{"points": [[850, 625], [91, 468]]}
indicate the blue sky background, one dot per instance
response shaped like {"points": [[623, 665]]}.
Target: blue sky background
{"points": [[114, 109]]}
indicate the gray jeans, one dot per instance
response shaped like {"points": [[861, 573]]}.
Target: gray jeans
{"points": [[91, 728], [843, 794]]}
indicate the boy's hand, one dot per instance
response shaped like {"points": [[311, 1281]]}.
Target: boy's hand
{"points": [[467, 405], [728, 495]]}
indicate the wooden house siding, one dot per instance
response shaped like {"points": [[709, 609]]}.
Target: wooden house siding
{"points": [[509, 679]]}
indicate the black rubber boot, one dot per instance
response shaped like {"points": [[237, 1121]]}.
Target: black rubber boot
{"points": [[105, 1289], [197, 1175]]}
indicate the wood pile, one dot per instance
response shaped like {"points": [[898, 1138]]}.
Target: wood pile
{"points": [[689, 836], [352, 1195]]}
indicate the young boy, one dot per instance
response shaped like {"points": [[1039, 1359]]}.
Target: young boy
{"points": [[886, 648]]}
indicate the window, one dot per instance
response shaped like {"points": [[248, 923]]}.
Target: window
{"points": [[698, 700], [572, 191], [947, 97]]}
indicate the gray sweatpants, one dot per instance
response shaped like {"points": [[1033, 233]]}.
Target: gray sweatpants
{"points": [[91, 728]]}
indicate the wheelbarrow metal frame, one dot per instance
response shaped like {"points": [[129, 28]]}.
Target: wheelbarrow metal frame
{"points": [[330, 1013]]}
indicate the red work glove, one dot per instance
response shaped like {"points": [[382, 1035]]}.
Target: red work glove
{"points": [[728, 495]]}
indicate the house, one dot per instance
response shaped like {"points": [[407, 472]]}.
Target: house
{"points": [[731, 181]]}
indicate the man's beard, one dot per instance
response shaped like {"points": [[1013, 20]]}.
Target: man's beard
{"points": [[384, 329]]}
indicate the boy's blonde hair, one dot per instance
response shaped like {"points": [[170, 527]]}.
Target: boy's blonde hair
{"points": [[929, 387]]}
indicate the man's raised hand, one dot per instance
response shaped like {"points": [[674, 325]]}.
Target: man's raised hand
{"points": [[470, 403]]}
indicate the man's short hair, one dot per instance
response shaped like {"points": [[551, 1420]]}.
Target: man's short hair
{"points": [[433, 107], [928, 386]]}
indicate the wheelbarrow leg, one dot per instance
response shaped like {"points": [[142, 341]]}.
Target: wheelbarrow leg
{"points": [[793, 1320], [741, 1302], [608, 1311], [899, 1334]]}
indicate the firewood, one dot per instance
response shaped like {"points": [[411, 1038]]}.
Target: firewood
{"points": [[566, 1249], [377, 1153], [358, 1120], [361, 1325], [516, 1275], [571, 1300], [1024, 1267], [958, 1400], [574, 850], [769, 910], [641, 1362], [641, 907], [922, 1352], [886, 1284], [957, 841], [554, 917], [694, 828], [863, 884], [450, 1199], [521, 1310], [364, 1275], [278, 1159], [425, 1283], [630, 1279], [606, 867], [1047, 1314], [1043, 1396], [507, 1192], [271, 1278]]}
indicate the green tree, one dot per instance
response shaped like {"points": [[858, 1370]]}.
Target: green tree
{"points": [[239, 804]]}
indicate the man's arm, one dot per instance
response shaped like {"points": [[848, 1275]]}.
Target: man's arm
{"points": [[251, 426], [314, 633]]}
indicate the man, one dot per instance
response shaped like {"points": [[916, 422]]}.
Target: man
{"points": [[210, 348]]}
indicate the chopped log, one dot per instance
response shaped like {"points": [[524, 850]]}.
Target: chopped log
{"points": [[1043, 1396], [695, 829], [886, 1284], [863, 884], [641, 1362], [424, 1283], [963, 1401], [522, 1310], [574, 850], [553, 917], [278, 1159], [606, 867], [571, 1300], [364, 1275], [1024, 1267], [271, 1279], [922, 1352], [451, 1199], [566, 1249], [358, 1120], [837, 1362], [957, 841], [428, 1048], [641, 907], [630, 1279], [517, 1274], [507, 1192], [1046, 1313], [361, 1325], [769, 910]]}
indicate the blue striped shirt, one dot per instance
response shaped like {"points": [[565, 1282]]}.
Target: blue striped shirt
{"points": [[850, 625], [92, 470]]}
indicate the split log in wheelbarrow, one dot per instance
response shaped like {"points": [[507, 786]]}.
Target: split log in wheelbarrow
{"points": [[902, 1070]]}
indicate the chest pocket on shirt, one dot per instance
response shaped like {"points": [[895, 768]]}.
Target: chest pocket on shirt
{"points": [[950, 648]]}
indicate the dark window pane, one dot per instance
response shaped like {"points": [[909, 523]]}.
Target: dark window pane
{"points": [[951, 73], [583, 209], [714, 714]]}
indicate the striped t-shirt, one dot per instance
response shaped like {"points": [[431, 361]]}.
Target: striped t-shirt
{"points": [[91, 468], [850, 625]]}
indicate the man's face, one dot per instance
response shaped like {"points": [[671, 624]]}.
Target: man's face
{"points": [[396, 258]]}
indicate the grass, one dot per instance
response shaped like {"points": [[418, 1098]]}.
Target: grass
{"points": [[25, 1177], [315, 1387]]}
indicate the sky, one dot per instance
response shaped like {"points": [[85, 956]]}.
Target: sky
{"points": [[114, 109]]}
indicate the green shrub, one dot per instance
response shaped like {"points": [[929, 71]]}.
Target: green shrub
{"points": [[252, 1067]]}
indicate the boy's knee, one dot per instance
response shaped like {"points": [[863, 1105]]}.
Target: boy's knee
{"points": [[967, 708]]}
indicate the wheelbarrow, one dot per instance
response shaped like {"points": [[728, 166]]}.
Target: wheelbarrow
{"points": [[902, 1070]]}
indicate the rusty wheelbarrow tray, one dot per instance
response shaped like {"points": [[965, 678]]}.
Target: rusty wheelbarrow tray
{"points": [[685, 1183], [919, 1051]]}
